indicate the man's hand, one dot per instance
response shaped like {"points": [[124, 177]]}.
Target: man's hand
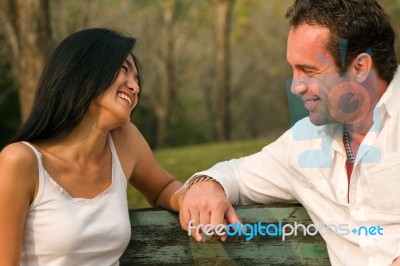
{"points": [[205, 203]]}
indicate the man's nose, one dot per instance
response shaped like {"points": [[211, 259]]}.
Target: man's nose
{"points": [[298, 86]]}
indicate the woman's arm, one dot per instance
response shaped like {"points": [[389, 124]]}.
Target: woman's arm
{"points": [[18, 168], [145, 173], [156, 184], [168, 199]]}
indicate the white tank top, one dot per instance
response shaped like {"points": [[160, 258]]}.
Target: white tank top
{"points": [[61, 230]]}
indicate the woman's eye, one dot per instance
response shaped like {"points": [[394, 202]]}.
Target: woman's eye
{"points": [[124, 68]]}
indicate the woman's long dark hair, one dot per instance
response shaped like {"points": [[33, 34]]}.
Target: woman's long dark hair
{"points": [[81, 68]]}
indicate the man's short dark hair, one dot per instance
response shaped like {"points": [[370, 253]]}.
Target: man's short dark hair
{"points": [[362, 24]]}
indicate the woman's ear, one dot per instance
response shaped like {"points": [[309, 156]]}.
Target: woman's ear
{"points": [[362, 66]]}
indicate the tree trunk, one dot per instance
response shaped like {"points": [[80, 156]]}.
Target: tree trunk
{"points": [[222, 126], [168, 87], [27, 29]]}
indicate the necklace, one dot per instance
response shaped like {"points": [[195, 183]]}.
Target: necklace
{"points": [[350, 155]]}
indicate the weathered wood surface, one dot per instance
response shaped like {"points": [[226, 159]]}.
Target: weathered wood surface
{"points": [[158, 239]]}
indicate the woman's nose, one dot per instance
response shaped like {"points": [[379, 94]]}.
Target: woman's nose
{"points": [[133, 85]]}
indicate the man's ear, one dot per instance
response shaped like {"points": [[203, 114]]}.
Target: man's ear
{"points": [[362, 66]]}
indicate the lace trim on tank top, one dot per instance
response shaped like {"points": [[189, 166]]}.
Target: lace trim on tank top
{"points": [[80, 201]]}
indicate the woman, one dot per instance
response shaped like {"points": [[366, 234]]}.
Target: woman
{"points": [[63, 178]]}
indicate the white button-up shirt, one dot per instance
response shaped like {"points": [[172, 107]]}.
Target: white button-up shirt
{"points": [[307, 164]]}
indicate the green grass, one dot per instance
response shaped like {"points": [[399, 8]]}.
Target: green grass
{"points": [[184, 161]]}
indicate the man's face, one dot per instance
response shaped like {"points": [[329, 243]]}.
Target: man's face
{"points": [[314, 72]]}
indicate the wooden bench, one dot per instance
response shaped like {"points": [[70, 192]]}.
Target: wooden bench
{"points": [[158, 239]]}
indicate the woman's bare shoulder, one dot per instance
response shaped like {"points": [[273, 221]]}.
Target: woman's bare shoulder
{"points": [[16, 153], [18, 161], [128, 142], [128, 134], [18, 164]]}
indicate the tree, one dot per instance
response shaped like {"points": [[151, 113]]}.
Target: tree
{"points": [[223, 13], [164, 56], [26, 27], [393, 9], [167, 66]]}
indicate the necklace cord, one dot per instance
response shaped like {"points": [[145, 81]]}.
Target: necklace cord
{"points": [[350, 155]]}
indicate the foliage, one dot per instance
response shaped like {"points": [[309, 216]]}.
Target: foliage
{"points": [[182, 162], [9, 106], [259, 72]]}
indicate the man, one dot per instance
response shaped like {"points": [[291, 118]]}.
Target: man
{"points": [[343, 161]]}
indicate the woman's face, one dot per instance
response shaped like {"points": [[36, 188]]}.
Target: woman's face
{"points": [[115, 105]]}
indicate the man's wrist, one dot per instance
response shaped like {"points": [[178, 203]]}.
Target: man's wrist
{"points": [[201, 178]]}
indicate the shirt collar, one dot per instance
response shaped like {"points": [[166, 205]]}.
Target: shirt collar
{"points": [[389, 100]]}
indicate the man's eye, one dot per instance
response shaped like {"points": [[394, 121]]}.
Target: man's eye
{"points": [[308, 72]]}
